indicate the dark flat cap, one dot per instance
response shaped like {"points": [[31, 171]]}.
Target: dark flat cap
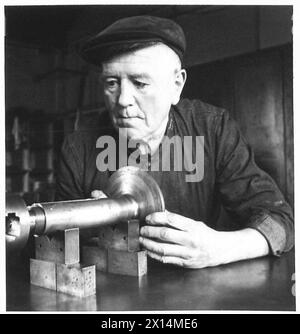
{"points": [[135, 29]]}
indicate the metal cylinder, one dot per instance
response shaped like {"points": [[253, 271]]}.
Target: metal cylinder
{"points": [[84, 214], [133, 194]]}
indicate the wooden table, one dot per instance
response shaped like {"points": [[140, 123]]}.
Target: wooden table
{"points": [[259, 284]]}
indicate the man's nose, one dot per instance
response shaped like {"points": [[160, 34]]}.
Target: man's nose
{"points": [[126, 97]]}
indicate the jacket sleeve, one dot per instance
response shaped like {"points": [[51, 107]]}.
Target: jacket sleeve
{"points": [[70, 170], [247, 192]]}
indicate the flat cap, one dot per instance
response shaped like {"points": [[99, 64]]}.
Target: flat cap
{"points": [[135, 29]]}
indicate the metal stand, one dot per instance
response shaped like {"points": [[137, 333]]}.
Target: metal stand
{"points": [[118, 250], [56, 265], [132, 195]]}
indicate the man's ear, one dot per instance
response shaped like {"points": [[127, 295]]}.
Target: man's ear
{"points": [[180, 79]]}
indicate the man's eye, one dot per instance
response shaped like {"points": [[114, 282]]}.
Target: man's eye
{"points": [[140, 84], [111, 84]]}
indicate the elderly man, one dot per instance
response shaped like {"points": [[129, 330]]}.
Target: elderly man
{"points": [[141, 70]]}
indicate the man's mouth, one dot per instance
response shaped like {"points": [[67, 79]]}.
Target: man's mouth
{"points": [[127, 121], [127, 117], [129, 114]]}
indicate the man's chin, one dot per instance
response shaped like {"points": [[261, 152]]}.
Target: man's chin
{"points": [[130, 133]]}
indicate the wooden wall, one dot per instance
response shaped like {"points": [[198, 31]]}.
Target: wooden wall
{"points": [[228, 31], [23, 88], [257, 90]]}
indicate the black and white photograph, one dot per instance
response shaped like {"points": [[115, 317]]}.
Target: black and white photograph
{"points": [[149, 159]]}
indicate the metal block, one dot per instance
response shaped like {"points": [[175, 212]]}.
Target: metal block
{"points": [[123, 236], [133, 228], [95, 255], [63, 247], [72, 246], [43, 274], [127, 263], [75, 280]]}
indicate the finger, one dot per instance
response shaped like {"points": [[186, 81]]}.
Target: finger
{"points": [[176, 261], [170, 219], [98, 194], [167, 259], [9, 238], [164, 249], [166, 234]]}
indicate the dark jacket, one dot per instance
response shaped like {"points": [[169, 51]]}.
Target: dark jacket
{"points": [[231, 177]]}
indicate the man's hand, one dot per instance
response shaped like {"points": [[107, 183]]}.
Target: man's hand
{"points": [[98, 194], [172, 238]]}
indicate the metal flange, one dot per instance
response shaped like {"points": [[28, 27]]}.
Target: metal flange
{"points": [[141, 186], [17, 221]]}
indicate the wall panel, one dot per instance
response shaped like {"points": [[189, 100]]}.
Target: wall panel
{"points": [[257, 90]]}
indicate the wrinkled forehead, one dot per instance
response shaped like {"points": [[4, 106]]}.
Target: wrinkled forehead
{"points": [[149, 59]]}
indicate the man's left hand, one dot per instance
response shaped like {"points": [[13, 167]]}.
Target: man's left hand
{"points": [[175, 239], [172, 238]]}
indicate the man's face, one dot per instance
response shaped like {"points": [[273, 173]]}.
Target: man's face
{"points": [[139, 89]]}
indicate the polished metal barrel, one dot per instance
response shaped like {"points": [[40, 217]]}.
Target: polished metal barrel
{"points": [[132, 194], [84, 214]]}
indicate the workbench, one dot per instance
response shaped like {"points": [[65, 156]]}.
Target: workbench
{"points": [[260, 284]]}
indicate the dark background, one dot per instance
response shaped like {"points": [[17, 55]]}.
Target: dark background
{"points": [[238, 57]]}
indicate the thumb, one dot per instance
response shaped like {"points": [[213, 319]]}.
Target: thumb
{"points": [[98, 194]]}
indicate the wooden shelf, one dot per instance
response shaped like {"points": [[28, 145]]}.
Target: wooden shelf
{"points": [[30, 167], [59, 72], [41, 171], [13, 170]]}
